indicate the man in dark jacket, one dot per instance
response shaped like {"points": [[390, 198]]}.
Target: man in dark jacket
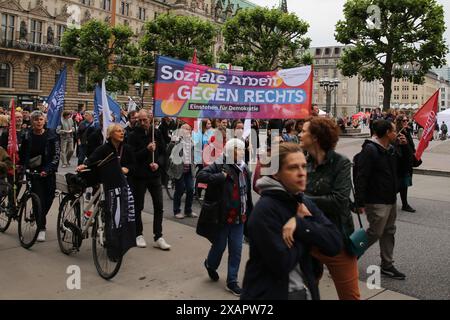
{"points": [[85, 128], [150, 155], [376, 187], [282, 228]]}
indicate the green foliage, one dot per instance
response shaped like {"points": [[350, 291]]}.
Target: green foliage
{"points": [[91, 44], [408, 32], [177, 37], [262, 39]]}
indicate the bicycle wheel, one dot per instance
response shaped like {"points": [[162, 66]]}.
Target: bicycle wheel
{"points": [[30, 209], [106, 267], [68, 225], [170, 188], [5, 217]]}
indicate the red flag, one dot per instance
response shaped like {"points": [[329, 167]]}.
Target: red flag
{"points": [[13, 147], [194, 58], [426, 118]]}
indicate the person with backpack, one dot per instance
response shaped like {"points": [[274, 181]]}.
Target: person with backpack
{"points": [[376, 187], [329, 185]]}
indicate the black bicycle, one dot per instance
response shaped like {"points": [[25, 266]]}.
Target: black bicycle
{"points": [[75, 219], [25, 209]]}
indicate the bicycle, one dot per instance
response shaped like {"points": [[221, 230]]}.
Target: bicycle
{"points": [[71, 232], [24, 210]]}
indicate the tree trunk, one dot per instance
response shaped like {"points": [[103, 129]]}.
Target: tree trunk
{"points": [[387, 83]]}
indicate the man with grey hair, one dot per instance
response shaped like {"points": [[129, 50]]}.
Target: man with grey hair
{"points": [[228, 201], [149, 149]]}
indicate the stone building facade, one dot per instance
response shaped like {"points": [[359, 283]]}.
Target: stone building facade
{"points": [[31, 30]]}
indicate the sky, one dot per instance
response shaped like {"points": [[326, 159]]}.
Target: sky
{"points": [[322, 16]]}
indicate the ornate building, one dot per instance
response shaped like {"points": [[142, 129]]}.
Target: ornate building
{"points": [[31, 31]]}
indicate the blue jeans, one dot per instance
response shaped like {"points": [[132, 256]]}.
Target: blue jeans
{"points": [[233, 233], [185, 183]]}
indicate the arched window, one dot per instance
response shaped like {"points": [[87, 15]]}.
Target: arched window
{"points": [[5, 75], [33, 78]]}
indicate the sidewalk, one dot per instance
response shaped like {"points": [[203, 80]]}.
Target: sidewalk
{"points": [[40, 273]]}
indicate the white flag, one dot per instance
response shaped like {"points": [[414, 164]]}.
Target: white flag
{"points": [[247, 128], [105, 110]]}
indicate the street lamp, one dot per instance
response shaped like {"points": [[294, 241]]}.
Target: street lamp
{"points": [[330, 85], [140, 90]]}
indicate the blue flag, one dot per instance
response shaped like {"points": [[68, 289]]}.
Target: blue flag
{"points": [[114, 107], [56, 101]]}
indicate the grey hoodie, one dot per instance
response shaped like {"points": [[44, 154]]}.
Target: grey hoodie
{"points": [[296, 276]]}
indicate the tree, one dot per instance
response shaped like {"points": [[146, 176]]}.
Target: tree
{"points": [[388, 35], [104, 52], [177, 37], [262, 39]]}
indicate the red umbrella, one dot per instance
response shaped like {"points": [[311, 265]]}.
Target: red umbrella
{"points": [[359, 115]]}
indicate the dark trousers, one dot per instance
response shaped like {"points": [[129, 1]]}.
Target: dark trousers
{"points": [[404, 195], [81, 153], [185, 183], [44, 187], [139, 187]]}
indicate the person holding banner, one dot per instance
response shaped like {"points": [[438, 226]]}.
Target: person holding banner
{"points": [[40, 151], [149, 149]]}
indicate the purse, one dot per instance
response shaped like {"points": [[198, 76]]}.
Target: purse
{"points": [[35, 162], [357, 242]]}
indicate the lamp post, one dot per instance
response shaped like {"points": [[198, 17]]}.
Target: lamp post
{"points": [[330, 85], [140, 91]]}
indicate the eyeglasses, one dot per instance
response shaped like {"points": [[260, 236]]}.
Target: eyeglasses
{"points": [[405, 120]]}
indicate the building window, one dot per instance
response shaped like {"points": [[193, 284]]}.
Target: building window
{"points": [[327, 51], [325, 72], [326, 61], [156, 15], [36, 31], [316, 72], [86, 2], [8, 22], [396, 88], [106, 5], [5, 75], [405, 88], [141, 13], [318, 52], [33, 78], [59, 33], [335, 73], [82, 82], [337, 51]]}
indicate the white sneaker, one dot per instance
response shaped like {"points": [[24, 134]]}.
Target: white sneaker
{"points": [[161, 244], [180, 215], [192, 215], [140, 242], [41, 236]]}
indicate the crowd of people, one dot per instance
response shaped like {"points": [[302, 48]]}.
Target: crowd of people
{"points": [[302, 220]]}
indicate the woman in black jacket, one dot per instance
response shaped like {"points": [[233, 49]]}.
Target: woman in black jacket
{"points": [[228, 202], [405, 167], [329, 185], [282, 229]]}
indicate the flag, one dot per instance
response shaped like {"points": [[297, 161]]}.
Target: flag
{"points": [[426, 118], [194, 58], [56, 101], [247, 128], [13, 147], [131, 105], [104, 104], [114, 107]]}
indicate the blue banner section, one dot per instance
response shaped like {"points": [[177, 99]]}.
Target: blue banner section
{"points": [[56, 101]]}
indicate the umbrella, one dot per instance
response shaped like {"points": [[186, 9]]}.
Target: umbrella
{"points": [[359, 115]]}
